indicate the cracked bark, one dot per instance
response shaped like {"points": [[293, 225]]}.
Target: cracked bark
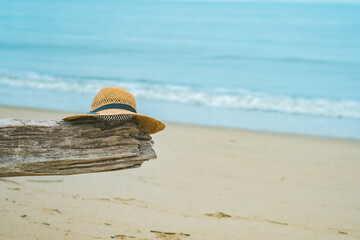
{"points": [[32, 148]]}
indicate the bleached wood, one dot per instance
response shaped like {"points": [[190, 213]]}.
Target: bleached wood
{"points": [[30, 147]]}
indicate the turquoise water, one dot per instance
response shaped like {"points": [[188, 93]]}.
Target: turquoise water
{"points": [[288, 67]]}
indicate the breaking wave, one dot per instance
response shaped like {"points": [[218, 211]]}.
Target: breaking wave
{"points": [[221, 97]]}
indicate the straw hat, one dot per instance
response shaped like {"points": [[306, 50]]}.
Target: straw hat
{"points": [[116, 103]]}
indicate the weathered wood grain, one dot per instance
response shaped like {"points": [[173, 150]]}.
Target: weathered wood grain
{"points": [[30, 147]]}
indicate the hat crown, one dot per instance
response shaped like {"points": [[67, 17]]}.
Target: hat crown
{"points": [[109, 95]]}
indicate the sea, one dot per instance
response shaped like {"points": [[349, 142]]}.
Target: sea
{"points": [[283, 66]]}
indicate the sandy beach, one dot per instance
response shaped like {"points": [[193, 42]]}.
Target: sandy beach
{"points": [[207, 183]]}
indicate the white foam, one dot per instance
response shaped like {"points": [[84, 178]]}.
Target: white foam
{"points": [[222, 97]]}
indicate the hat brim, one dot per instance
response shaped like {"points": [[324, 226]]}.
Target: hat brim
{"points": [[149, 124]]}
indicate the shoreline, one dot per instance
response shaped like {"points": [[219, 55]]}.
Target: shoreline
{"points": [[49, 114]]}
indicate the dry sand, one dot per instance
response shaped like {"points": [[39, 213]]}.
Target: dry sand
{"points": [[207, 183]]}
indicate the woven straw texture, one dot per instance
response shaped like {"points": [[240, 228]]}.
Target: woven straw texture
{"points": [[109, 95]]}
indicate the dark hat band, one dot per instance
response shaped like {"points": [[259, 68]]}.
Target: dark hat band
{"points": [[114, 106]]}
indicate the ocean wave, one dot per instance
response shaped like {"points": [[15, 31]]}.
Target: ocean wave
{"points": [[220, 97], [277, 59]]}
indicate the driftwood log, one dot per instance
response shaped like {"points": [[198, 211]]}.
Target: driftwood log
{"points": [[29, 148]]}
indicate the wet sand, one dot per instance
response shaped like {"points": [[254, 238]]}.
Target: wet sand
{"points": [[207, 183]]}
